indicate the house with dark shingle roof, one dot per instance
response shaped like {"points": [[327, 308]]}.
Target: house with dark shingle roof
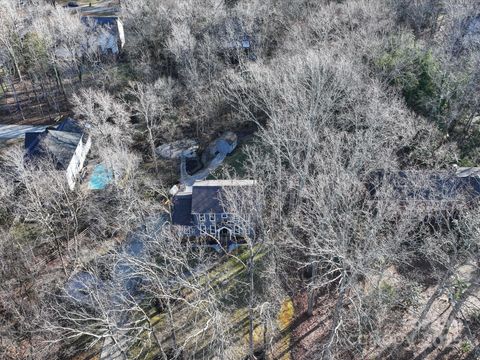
{"points": [[201, 211], [109, 34], [426, 189], [66, 145]]}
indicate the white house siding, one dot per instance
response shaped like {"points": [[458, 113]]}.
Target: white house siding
{"points": [[76, 163], [121, 34]]}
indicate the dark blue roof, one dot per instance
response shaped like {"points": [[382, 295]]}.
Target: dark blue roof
{"points": [[426, 185], [101, 20], [70, 125], [182, 210], [207, 199], [58, 142], [31, 138]]}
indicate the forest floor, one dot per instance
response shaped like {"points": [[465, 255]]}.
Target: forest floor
{"points": [[23, 103], [309, 332]]}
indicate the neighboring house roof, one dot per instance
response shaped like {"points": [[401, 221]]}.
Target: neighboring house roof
{"points": [[104, 21], [70, 125], [60, 142], [207, 194], [426, 186], [468, 171], [113, 38], [60, 145], [233, 34]]}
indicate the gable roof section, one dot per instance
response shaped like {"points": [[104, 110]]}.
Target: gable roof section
{"points": [[207, 195], [426, 185], [61, 145], [182, 209], [70, 125], [31, 138], [107, 22], [206, 199]]}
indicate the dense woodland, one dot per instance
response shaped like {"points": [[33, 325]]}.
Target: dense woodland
{"points": [[331, 91]]}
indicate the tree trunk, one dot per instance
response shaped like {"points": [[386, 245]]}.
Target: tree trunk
{"points": [[59, 81], [61, 256], [312, 292], [250, 306], [438, 292], [17, 101], [336, 319], [15, 64], [172, 326], [456, 309], [152, 148]]}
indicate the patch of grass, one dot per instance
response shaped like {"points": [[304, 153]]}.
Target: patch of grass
{"points": [[466, 347], [285, 316], [285, 319], [459, 289], [25, 232], [235, 161], [228, 279], [387, 290]]}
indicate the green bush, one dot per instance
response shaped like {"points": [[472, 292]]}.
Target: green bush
{"points": [[414, 70], [466, 347]]}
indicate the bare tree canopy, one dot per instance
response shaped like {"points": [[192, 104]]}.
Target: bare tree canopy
{"points": [[355, 124]]}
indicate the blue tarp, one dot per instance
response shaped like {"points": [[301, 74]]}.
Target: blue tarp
{"points": [[100, 178]]}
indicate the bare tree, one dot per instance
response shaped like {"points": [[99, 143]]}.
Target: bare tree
{"points": [[151, 104]]}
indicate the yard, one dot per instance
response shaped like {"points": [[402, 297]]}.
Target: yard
{"points": [[194, 329]]}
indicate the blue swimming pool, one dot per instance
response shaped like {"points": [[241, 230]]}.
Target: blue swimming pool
{"points": [[100, 178]]}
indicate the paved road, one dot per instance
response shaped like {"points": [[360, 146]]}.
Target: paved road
{"points": [[8, 132]]}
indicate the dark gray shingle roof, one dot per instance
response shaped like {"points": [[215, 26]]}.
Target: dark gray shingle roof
{"points": [[207, 199], [182, 210], [207, 194], [434, 185], [60, 145]]}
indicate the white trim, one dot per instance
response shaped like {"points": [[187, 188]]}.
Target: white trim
{"points": [[229, 231], [211, 217]]}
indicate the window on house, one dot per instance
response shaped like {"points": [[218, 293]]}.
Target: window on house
{"points": [[203, 228], [201, 217], [224, 216], [212, 217], [212, 229], [238, 230]]}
